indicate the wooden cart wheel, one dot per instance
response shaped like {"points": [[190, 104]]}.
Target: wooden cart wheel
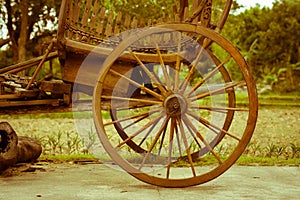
{"points": [[229, 114], [176, 119]]}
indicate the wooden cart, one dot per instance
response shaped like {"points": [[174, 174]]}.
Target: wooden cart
{"points": [[174, 102]]}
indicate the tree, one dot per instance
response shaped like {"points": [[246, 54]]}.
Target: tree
{"points": [[24, 20], [269, 37]]}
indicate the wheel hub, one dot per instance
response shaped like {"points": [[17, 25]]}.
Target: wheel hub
{"points": [[175, 105]]}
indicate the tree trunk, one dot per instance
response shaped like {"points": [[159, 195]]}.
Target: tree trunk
{"points": [[11, 31], [14, 149], [8, 146], [23, 34]]}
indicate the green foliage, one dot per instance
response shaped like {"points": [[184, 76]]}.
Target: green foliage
{"points": [[41, 25], [269, 39], [147, 9]]}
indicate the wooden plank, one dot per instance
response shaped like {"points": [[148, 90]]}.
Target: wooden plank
{"points": [[175, 12], [100, 25], [76, 12], [31, 62], [8, 96], [54, 102], [109, 25], [177, 17], [134, 24], [94, 15], [196, 3], [167, 17], [86, 13], [127, 22], [118, 24], [142, 23], [149, 23], [71, 17], [186, 13]]}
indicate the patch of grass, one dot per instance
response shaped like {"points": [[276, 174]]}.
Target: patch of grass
{"points": [[58, 115], [259, 161], [65, 115], [67, 158]]}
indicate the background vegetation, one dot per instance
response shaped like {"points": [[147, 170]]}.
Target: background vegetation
{"points": [[267, 37]]}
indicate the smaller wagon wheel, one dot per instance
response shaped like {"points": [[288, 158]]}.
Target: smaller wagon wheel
{"points": [[176, 118]]}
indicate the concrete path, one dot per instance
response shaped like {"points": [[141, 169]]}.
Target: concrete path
{"points": [[96, 181]]}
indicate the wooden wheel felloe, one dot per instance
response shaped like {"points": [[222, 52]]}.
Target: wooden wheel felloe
{"points": [[176, 108]]}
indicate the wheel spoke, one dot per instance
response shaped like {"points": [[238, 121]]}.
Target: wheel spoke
{"points": [[192, 67], [208, 76], [147, 101], [151, 123], [147, 134], [162, 141], [143, 88], [218, 109], [178, 140], [178, 64], [212, 126], [221, 90], [190, 124], [149, 73], [142, 115], [162, 128], [173, 124], [164, 69], [186, 145], [194, 136]]}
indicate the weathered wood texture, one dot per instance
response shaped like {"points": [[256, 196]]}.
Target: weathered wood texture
{"points": [[88, 22], [86, 26], [14, 149]]}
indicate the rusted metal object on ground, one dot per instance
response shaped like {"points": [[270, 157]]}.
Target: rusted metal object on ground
{"points": [[174, 88], [14, 149]]}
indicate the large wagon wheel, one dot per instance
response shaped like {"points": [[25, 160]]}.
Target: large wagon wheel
{"points": [[228, 120], [182, 118]]}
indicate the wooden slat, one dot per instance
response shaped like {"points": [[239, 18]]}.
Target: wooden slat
{"points": [[8, 96], [54, 102], [160, 20], [142, 23], [76, 12], [127, 22], [100, 25], [134, 23], [186, 13], [118, 24], [86, 13], [31, 62], [126, 26], [71, 17], [175, 12], [167, 17], [177, 17], [94, 15], [109, 25], [149, 23], [195, 6]]}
